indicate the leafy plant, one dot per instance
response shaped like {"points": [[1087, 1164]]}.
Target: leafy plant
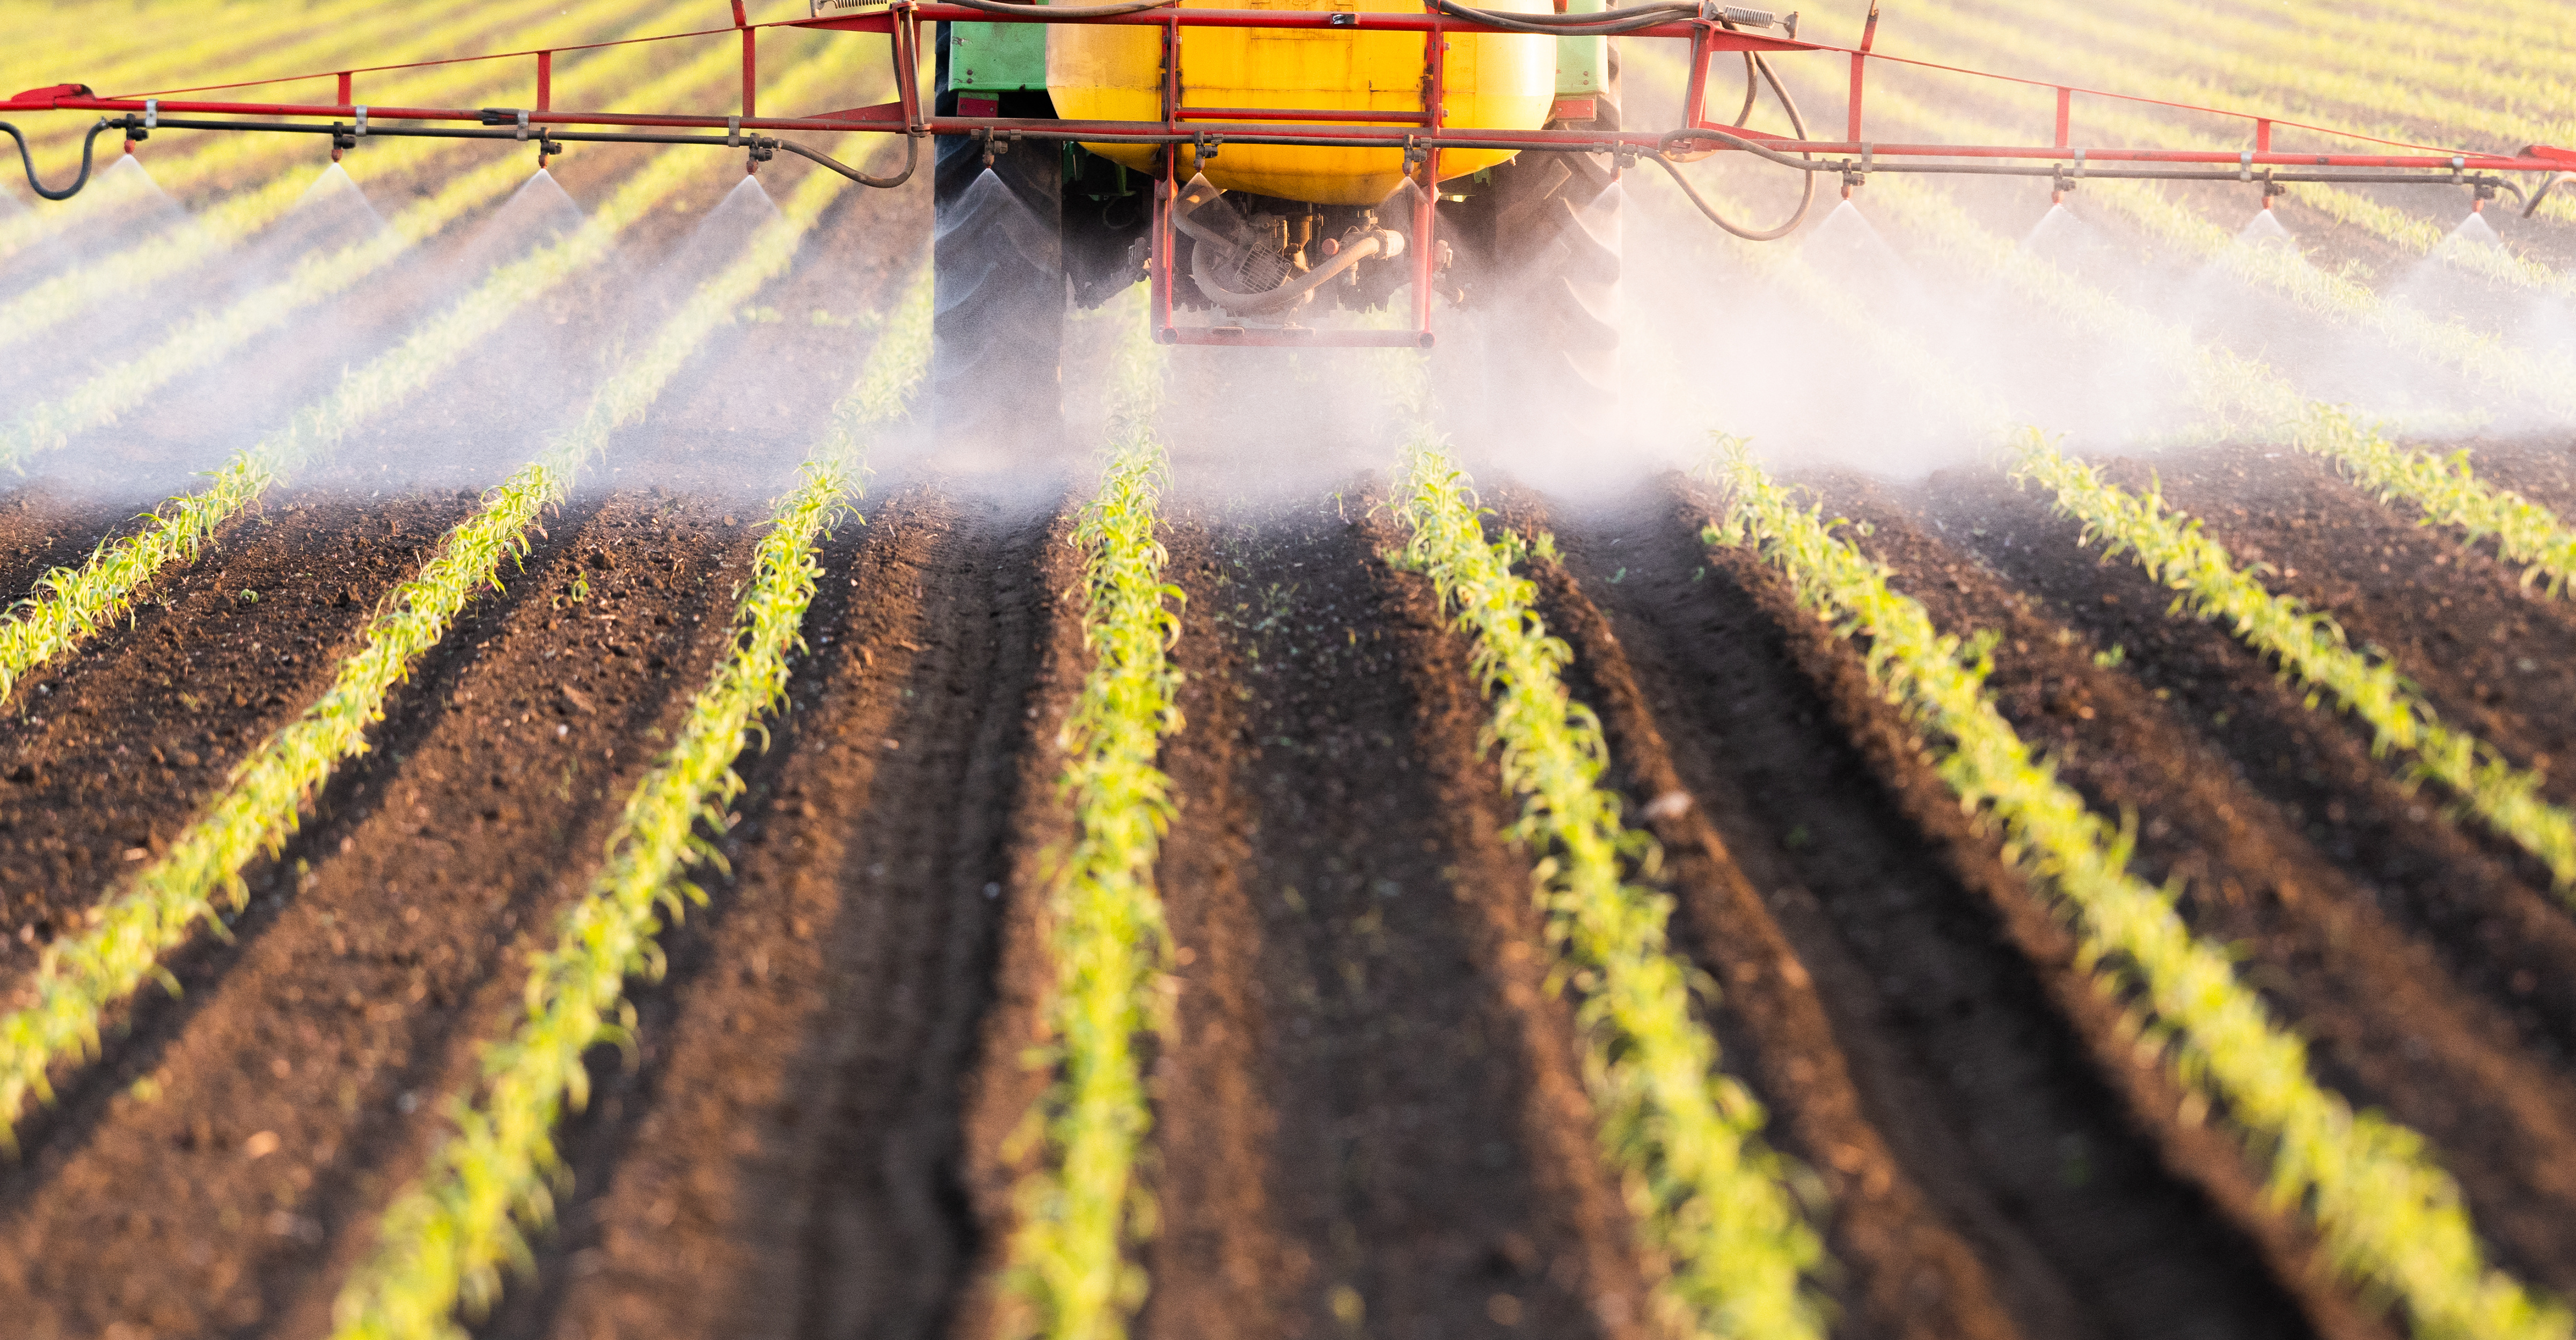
{"points": [[2446, 491], [2309, 647], [2387, 1213], [445, 1237], [1069, 1278], [72, 603], [1710, 1200], [199, 879]]}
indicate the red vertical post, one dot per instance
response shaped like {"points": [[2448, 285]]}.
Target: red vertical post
{"points": [[1695, 98], [1158, 270], [1426, 208], [1172, 81], [545, 80], [2263, 135], [346, 100], [1860, 65], [2065, 114], [750, 62]]}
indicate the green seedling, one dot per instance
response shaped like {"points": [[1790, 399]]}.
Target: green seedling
{"points": [[1711, 1201], [2310, 648], [2389, 1216]]}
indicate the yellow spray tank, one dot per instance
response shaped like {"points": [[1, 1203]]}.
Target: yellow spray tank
{"points": [[1492, 81]]}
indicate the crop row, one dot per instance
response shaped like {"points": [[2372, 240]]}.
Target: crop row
{"points": [[2389, 1216], [1068, 1274], [2236, 397], [1711, 1201], [2330, 80], [2447, 492], [83, 974], [192, 43], [2501, 367], [72, 603], [209, 338], [445, 1236], [189, 244], [2308, 645], [204, 159]]}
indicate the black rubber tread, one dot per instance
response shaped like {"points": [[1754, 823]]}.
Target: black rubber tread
{"points": [[997, 276], [1537, 261]]}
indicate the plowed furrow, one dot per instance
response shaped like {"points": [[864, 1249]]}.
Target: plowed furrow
{"points": [[2490, 656], [115, 748], [2497, 931], [1361, 1006], [2000, 1082], [2384, 1025], [792, 1138], [1911, 1273], [291, 1100]]}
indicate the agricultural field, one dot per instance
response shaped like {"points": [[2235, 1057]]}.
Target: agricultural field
{"points": [[2012, 785]]}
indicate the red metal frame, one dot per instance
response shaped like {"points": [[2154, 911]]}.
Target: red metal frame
{"points": [[1423, 134]]}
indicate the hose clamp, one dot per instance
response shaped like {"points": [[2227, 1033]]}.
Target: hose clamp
{"points": [[362, 121], [523, 123], [733, 132], [151, 113], [2079, 163], [2457, 165], [2245, 166]]}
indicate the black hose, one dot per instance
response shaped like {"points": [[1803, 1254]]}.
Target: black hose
{"points": [[1754, 64], [1608, 23], [911, 159], [88, 145]]}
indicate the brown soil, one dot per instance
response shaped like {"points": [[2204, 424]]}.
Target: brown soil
{"points": [[1371, 1110], [1369, 1115], [792, 1136], [2016, 1119], [2186, 736]]}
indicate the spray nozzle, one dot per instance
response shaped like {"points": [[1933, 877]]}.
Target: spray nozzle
{"points": [[994, 143], [2272, 190]]}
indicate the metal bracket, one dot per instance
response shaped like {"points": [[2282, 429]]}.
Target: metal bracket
{"points": [[733, 132], [523, 123], [362, 121], [2245, 166], [151, 113]]}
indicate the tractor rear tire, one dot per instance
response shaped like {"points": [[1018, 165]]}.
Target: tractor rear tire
{"points": [[1539, 250], [997, 316]]}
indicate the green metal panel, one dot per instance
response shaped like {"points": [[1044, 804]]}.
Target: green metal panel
{"points": [[1582, 63], [996, 57]]}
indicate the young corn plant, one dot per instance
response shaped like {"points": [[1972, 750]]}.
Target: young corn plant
{"points": [[2447, 492], [71, 603], [1712, 1203], [2390, 1218], [2309, 646], [445, 1237], [199, 880], [1069, 1277]]}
